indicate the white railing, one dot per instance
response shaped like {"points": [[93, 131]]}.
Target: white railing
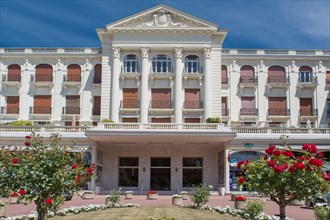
{"points": [[160, 126], [52, 50], [275, 52], [8, 128], [281, 130]]}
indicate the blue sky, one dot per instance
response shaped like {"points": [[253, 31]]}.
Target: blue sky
{"points": [[266, 24]]}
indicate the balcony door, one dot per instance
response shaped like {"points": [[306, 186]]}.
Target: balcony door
{"points": [[161, 98], [248, 106], [44, 72], [224, 106], [276, 74], [72, 104], [306, 106], [277, 106], [42, 104], [12, 105], [160, 173], [130, 98], [192, 99]]}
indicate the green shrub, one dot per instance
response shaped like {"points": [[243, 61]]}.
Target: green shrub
{"points": [[322, 213], [114, 196], [254, 208], [105, 120], [200, 194], [21, 123], [213, 120]]}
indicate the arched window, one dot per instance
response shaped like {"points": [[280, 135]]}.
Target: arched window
{"points": [[247, 74], [224, 74], [192, 64], [97, 73], [131, 64], [44, 72], [305, 74], [276, 74], [14, 72], [74, 73], [161, 64]]}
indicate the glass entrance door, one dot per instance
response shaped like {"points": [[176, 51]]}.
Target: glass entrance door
{"points": [[160, 173]]}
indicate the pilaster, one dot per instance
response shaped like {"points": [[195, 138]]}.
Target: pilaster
{"points": [[144, 86], [115, 85], [178, 85]]}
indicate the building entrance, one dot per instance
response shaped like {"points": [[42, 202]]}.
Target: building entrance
{"points": [[160, 174]]}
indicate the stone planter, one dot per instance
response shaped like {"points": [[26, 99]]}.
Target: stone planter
{"points": [[2, 211], [152, 196], [240, 204], [128, 195], [12, 200], [87, 195], [184, 196], [176, 201], [233, 196]]}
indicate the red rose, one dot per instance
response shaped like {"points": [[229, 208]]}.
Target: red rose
{"points": [[28, 137], [271, 163], [74, 166], [27, 143], [14, 160], [299, 165], [291, 169], [319, 154], [272, 147], [78, 178], [14, 194], [269, 151], [312, 149], [319, 163], [242, 180], [49, 201], [22, 192], [287, 153], [276, 152], [93, 165], [239, 164], [89, 170], [308, 168], [305, 146], [286, 166], [279, 169], [316, 162], [265, 156], [240, 198]]}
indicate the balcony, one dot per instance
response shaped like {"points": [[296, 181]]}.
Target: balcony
{"points": [[130, 73], [225, 115], [72, 80], [193, 108], [9, 113], [160, 107], [224, 82], [41, 81], [278, 114], [166, 73], [248, 82], [40, 113], [278, 82], [11, 80], [306, 114], [307, 83], [129, 108], [71, 113], [193, 74], [248, 114]]}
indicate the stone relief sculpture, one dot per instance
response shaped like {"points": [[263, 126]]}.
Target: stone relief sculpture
{"points": [[163, 19]]}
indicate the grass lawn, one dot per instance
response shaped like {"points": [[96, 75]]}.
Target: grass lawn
{"points": [[148, 213]]}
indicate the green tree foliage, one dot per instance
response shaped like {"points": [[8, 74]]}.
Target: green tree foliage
{"points": [[41, 172]]}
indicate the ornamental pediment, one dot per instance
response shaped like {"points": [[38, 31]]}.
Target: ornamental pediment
{"points": [[162, 17]]}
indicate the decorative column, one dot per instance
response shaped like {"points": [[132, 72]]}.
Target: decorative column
{"points": [[144, 100], [207, 83], [115, 85], [178, 85]]}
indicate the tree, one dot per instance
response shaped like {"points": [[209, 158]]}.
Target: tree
{"points": [[41, 173], [285, 177]]}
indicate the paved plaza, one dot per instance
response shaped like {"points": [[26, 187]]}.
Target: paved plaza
{"points": [[295, 212]]}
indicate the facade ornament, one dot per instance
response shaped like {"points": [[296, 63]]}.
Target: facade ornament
{"points": [[207, 53], [293, 66], [320, 66], [162, 19], [116, 52], [145, 52], [178, 53]]}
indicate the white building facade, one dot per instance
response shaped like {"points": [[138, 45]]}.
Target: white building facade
{"points": [[158, 76]]}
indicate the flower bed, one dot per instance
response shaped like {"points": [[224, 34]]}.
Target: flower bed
{"points": [[152, 195]]}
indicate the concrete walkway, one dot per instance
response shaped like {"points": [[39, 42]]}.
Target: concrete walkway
{"points": [[295, 212]]}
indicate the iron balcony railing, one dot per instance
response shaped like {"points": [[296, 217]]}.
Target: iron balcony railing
{"points": [[278, 79], [308, 80], [41, 78], [278, 112], [130, 69], [72, 78], [248, 79], [192, 70], [41, 110], [249, 111], [71, 110], [159, 104], [224, 112], [11, 78], [126, 104], [97, 80], [9, 110], [193, 105], [308, 112]]}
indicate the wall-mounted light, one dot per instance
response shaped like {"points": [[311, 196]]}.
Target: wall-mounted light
{"points": [[176, 169]]}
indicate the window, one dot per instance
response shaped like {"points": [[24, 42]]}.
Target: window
{"points": [[224, 74], [192, 64], [192, 171], [305, 74], [14, 72], [247, 74], [161, 64], [74, 73], [128, 171], [160, 173], [97, 73], [276, 74], [97, 105], [44, 73], [131, 64]]}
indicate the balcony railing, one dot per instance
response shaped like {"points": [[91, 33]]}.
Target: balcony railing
{"points": [[278, 79], [249, 111], [278, 112], [72, 78], [167, 70], [41, 78], [97, 80], [225, 112], [248, 79], [129, 104], [9, 110], [130, 69], [161, 104], [41, 110], [71, 110], [308, 112], [193, 70], [193, 105], [307, 80], [11, 78]]}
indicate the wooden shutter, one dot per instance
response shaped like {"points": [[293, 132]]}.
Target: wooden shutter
{"points": [[247, 71], [42, 104], [97, 105], [74, 73], [224, 74], [192, 95], [276, 71], [161, 120], [97, 73], [192, 120], [130, 98], [161, 98], [247, 102], [327, 77], [73, 101], [306, 106], [44, 72], [224, 106], [277, 105], [14, 72], [129, 120], [12, 105]]}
